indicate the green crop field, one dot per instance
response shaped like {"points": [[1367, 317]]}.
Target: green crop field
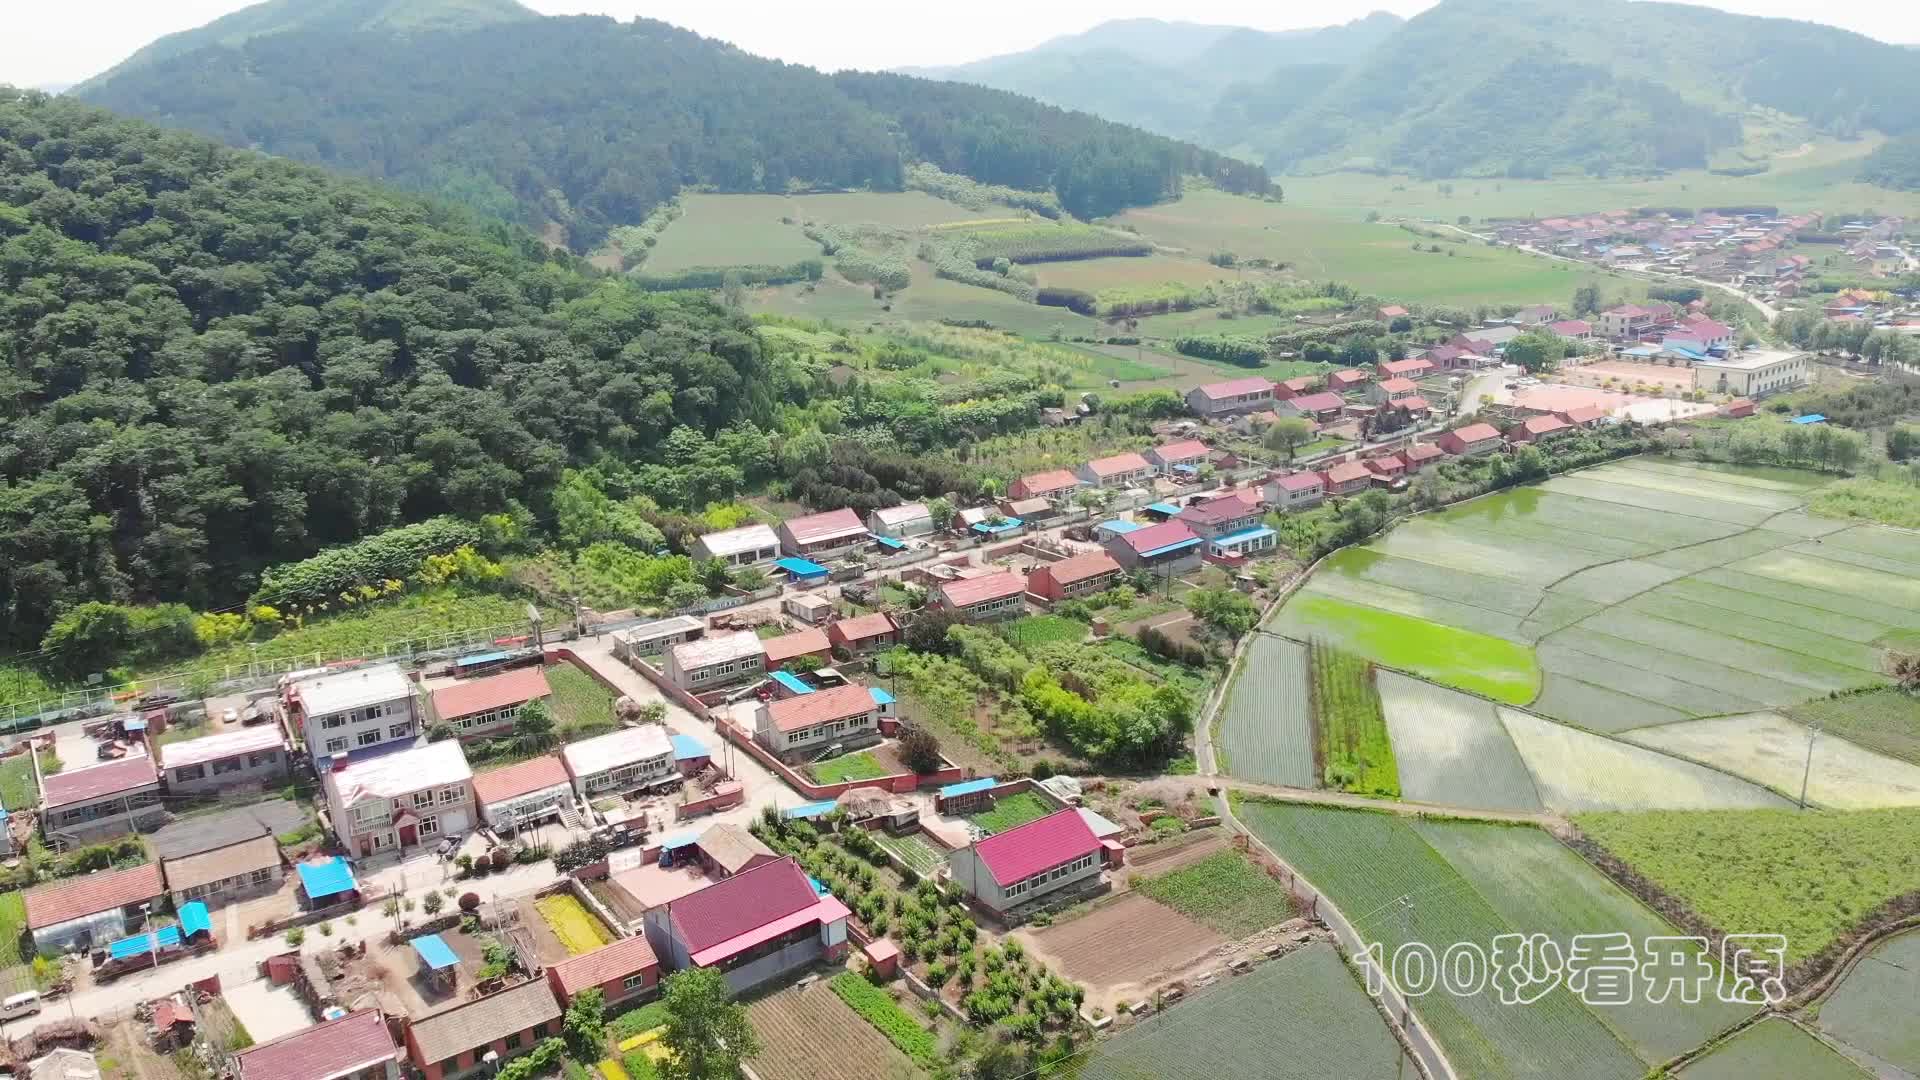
{"points": [[928, 299], [1886, 720], [1012, 812], [734, 230], [858, 765], [1810, 876], [1451, 748], [919, 855], [1301, 1017], [1225, 892], [1356, 753], [1872, 1009], [1463, 658], [1773, 1049], [1375, 258], [13, 927], [1093, 275], [1368, 863], [581, 703], [1041, 239], [1266, 724], [1037, 630]]}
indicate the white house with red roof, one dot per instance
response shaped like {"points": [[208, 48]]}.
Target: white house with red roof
{"points": [[864, 633], [1629, 321], [521, 794], [752, 927], [1118, 471], [1233, 396], [1392, 390], [823, 536], [399, 797], [253, 757], [1079, 575], [1572, 330], [1028, 862], [488, 706], [1052, 484], [1471, 440], [1182, 455], [1294, 387], [98, 802], [1420, 455], [848, 714], [1216, 517], [357, 1046], [1347, 379], [980, 599], [1296, 491]]}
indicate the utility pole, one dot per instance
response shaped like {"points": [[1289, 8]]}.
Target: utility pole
{"points": [[1813, 732]]}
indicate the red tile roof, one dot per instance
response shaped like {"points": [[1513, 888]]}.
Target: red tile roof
{"points": [[1117, 464], [1019, 853], [742, 903], [1041, 483], [1412, 403], [329, 1049], [1181, 451], [1392, 311], [861, 627], [1399, 385], [1237, 387], [494, 691], [970, 591], [1305, 481], [1157, 536], [629, 956], [1387, 463], [1346, 472], [822, 706], [102, 890], [1474, 433], [787, 646], [1420, 452], [1585, 414], [98, 781], [1324, 401], [1572, 327], [1405, 367], [1081, 567], [1299, 384], [824, 526], [1213, 511], [1537, 426], [525, 778]]}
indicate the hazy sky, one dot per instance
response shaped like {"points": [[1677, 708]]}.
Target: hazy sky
{"points": [[63, 41]]}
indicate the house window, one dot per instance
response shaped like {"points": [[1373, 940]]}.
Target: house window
{"points": [[423, 798], [634, 982], [336, 746], [540, 1030], [449, 796], [429, 826], [265, 757], [368, 737], [227, 765], [513, 1041], [262, 875], [333, 721], [399, 731], [190, 772]]}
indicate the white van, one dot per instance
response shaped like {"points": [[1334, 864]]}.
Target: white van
{"points": [[22, 1004]]}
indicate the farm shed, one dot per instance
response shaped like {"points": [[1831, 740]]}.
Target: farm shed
{"points": [[94, 908], [900, 522], [250, 756], [749, 545], [730, 849], [623, 970], [506, 1024], [654, 638]]}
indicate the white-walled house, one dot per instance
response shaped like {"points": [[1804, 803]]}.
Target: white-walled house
{"points": [[400, 798], [355, 711]]}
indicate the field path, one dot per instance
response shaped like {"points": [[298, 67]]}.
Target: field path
{"points": [[1361, 802]]}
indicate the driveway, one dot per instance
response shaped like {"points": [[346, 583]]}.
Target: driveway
{"points": [[265, 1010]]}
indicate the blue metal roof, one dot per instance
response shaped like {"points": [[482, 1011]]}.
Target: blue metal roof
{"points": [[1242, 536], [194, 918], [434, 952], [134, 725], [680, 840], [968, 787], [482, 658], [1164, 549], [800, 567], [880, 697], [887, 541], [1163, 508], [812, 809], [328, 878], [791, 682], [1119, 527], [1004, 526], [686, 747], [1810, 418], [167, 937]]}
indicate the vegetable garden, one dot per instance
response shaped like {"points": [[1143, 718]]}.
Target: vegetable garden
{"points": [[1354, 748]]}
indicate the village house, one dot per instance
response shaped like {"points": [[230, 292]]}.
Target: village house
{"points": [[1534, 315], [1753, 374], [1471, 440], [621, 761], [1294, 387], [249, 757], [515, 796], [1420, 455], [787, 648], [654, 638], [1296, 491], [1073, 577], [748, 545], [624, 971], [1347, 478], [402, 797], [1325, 405], [1583, 416], [1231, 526], [251, 867], [726, 849], [1405, 369], [1053, 484], [1185, 456], [1346, 380], [1705, 333], [1387, 390], [1001, 595], [99, 802], [1028, 862], [476, 1037], [1572, 330], [1233, 396], [1485, 340], [753, 927], [1118, 471], [91, 909], [1386, 467], [823, 536], [1169, 547], [357, 1046], [864, 633], [1537, 428], [901, 522], [1390, 312], [847, 715], [1629, 322], [488, 706], [721, 660], [350, 712]]}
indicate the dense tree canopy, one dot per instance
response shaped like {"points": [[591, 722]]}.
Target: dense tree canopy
{"points": [[212, 361]]}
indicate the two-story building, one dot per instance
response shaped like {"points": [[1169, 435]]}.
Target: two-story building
{"points": [[901, 522], [1470, 440], [823, 536], [1182, 458], [249, 757], [1753, 374], [620, 761], [1074, 577], [748, 545], [475, 1037], [713, 662], [1250, 394], [1572, 330], [848, 715], [1347, 478], [1027, 863], [1388, 390], [1230, 525], [752, 927], [353, 712], [357, 1046], [1118, 471], [515, 796], [624, 971], [1630, 322], [863, 634], [1347, 380], [1052, 484], [1169, 547], [99, 802], [399, 798], [475, 708], [980, 599], [1295, 491]]}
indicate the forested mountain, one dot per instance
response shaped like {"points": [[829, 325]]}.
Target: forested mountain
{"points": [[591, 123], [212, 361], [1164, 76], [1896, 164]]}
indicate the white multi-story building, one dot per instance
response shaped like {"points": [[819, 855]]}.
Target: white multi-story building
{"points": [[400, 797], [621, 761], [354, 711], [699, 666]]}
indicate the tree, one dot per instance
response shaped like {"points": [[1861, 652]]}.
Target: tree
{"points": [[708, 1035], [1535, 352], [653, 712], [1224, 609], [89, 638], [432, 903], [1904, 667], [940, 509], [920, 749], [1903, 442], [1287, 435], [1586, 300], [533, 727], [927, 633], [585, 1026]]}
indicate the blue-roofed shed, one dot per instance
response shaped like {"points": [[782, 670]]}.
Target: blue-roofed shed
{"points": [[880, 697], [1117, 527], [688, 748], [195, 919], [888, 542], [801, 569], [966, 797], [1162, 509], [811, 810], [679, 840], [1168, 549], [968, 787], [167, 937], [324, 880], [1005, 525], [434, 952], [1810, 418], [791, 683]]}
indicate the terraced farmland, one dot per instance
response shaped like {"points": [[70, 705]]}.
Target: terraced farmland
{"points": [[1266, 729]]}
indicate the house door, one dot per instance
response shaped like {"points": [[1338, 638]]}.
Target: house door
{"points": [[409, 834]]}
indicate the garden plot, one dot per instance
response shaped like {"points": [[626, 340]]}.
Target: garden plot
{"points": [[1446, 654], [1886, 720], [1770, 749], [1576, 770], [1872, 1010], [1119, 949], [1451, 748], [1659, 502], [807, 1032], [1773, 1049], [1596, 707], [1675, 698], [1266, 723]]}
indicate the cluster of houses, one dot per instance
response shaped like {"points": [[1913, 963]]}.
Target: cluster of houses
{"points": [[1735, 248]]}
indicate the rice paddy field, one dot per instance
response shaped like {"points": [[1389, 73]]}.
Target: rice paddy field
{"points": [[1471, 883], [1872, 1009], [1266, 728], [1577, 770], [1770, 749], [1452, 748], [1301, 1017], [1773, 1049]]}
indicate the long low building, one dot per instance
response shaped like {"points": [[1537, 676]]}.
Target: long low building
{"points": [[713, 662], [457, 1041], [979, 599], [1023, 864], [621, 761], [749, 545], [91, 909], [519, 795], [248, 868], [98, 802], [753, 927], [356, 1046], [252, 756], [1079, 575], [849, 715], [488, 706]]}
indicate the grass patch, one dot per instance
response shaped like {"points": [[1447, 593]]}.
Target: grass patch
{"points": [[24, 686], [1012, 812], [1465, 659], [638, 1021], [13, 928], [858, 765], [1036, 630], [1355, 751], [878, 1008], [920, 856], [1887, 720], [1810, 876], [1862, 499], [17, 789], [581, 705], [579, 930], [1225, 892]]}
